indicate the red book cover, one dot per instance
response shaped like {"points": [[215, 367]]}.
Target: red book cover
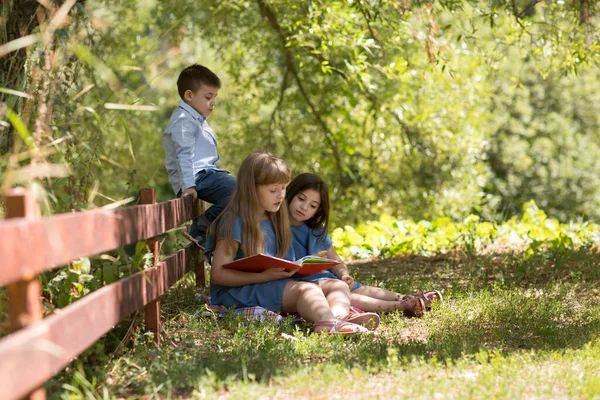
{"points": [[258, 263]]}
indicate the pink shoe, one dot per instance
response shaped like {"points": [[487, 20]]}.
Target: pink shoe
{"points": [[369, 320], [339, 327]]}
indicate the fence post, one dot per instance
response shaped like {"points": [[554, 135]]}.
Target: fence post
{"points": [[152, 309], [24, 296], [197, 255]]}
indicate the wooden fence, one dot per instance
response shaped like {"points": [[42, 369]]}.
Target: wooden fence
{"points": [[38, 348]]}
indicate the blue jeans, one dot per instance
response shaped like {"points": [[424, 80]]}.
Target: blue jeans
{"points": [[214, 187]]}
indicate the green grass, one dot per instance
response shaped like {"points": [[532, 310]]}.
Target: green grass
{"points": [[511, 327]]}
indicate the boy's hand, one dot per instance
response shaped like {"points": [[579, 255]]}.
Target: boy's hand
{"points": [[191, 191], [348, 279], [278, 273]]}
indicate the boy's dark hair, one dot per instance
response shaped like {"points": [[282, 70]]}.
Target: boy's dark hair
{"points": [[307, 181], [195, 75]]}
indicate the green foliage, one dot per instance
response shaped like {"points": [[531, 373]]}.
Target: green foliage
{"points": [[73, 282], [534, 232], [81, 277], [545, 147], [419, 109]]}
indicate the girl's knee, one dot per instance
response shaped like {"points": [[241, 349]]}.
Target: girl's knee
{"points": [[330, 285]]}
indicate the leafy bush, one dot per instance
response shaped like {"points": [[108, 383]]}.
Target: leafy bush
{"points": [[534, 232], [81, 277]]}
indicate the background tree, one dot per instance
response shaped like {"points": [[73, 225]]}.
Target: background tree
{"points": [[18, 20], [409, 108]]}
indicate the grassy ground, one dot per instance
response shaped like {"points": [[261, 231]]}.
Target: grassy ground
{"points": [[511, 327]]}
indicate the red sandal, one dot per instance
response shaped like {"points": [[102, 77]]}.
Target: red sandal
{"points": [[429, 297], [413, 307]]}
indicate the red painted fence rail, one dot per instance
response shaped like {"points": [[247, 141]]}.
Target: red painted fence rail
{"points": [[38, 348]]}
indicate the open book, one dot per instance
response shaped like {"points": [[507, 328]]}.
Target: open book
{"points": [[258, 263]]}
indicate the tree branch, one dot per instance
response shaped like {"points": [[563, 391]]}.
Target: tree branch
{"points": [[322, 59], [366, 16], [517, 14], [329, 139], [528, 8], [284, 85], [584, 19]]}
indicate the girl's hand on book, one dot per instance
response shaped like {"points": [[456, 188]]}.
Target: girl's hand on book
{"points": [[278, 273], [348, 279]]}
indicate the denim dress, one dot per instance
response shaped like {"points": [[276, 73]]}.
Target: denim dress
{"points": [[268, 294], [308, 242]]}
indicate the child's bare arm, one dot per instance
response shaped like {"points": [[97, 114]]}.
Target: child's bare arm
{"points": [[340, 270]]}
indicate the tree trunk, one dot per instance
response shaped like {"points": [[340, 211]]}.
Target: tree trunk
{"points": [[584, 19], [18, 20]]}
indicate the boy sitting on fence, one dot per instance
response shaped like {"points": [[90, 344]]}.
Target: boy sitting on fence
{"points": [[191, 147]]}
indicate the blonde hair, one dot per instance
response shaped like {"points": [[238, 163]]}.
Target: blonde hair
{"points": [[260, 168]]}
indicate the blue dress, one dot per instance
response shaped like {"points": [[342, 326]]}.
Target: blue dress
{"points": [[268, 294], [308, 242]]}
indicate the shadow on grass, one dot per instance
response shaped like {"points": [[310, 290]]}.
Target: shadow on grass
{"points": [[459, 272], [502, 301], [498, 303]]}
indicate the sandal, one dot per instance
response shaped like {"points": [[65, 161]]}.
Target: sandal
{"points": [[429, 297], [413, 307], [339, 327], [369, 320]]}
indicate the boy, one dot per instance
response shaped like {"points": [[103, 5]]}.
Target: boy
{"points": [[191, 147]]}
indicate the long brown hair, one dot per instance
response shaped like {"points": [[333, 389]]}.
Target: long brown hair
{"points": [[308, 181], [260, 168]]}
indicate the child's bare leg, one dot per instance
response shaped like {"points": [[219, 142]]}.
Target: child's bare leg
{"points": [[377, 293], [368, 303], [308, 300], [338, 295], [410, 307]]}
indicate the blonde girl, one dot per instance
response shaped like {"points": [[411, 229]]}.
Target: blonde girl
{"points": [[256, 221]]}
